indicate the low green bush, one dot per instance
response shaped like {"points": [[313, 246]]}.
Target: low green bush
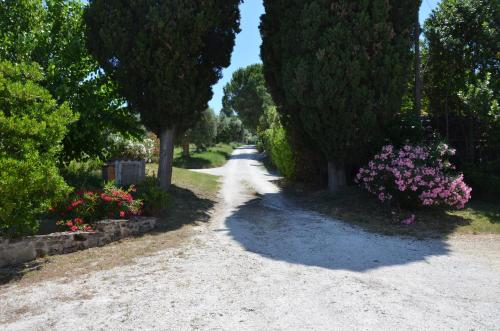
{"points": [[84, 174], [272, 137], [32, 126], [154, 198]]}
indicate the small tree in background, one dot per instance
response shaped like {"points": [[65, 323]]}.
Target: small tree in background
{"points": [[246, 95], [338, 70], [32, 127], [165, 56], [229, 129], [203, 134]]}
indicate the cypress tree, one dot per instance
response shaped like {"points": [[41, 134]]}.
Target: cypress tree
{"points": [[165, 55], [337, 70]]}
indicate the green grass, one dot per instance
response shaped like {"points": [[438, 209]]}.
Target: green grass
{"points": [[213, 157], [206, 183], [203, 183], [356, 207]]}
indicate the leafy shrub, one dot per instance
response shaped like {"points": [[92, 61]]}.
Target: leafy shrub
{"points": [[84, 174], [273, 139], [415, 176], [80, 210], [229, 129], [32, 126], [155, 199]]}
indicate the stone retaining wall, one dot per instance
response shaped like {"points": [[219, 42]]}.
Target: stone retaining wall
{"points": [[25, 249]]}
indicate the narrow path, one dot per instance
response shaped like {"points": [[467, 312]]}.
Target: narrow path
{"points": [[263, 264]]}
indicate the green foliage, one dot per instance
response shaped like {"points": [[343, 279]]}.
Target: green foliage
{"points": [[246, 95], [156, 200], [204, 133], [213, 157], [463, 76], [84, 174], [32, 127], [229, 129], [164, 55], [337, 69], [51, 33], [273, 139]]}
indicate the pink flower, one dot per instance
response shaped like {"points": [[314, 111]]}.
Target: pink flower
{"points": [[409, 221]]}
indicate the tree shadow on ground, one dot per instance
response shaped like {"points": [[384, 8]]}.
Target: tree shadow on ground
{"points": [[273, 227], [185, 208], [192, 162]]}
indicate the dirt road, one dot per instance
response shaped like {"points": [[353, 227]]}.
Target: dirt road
{"points": [[263, 264]]}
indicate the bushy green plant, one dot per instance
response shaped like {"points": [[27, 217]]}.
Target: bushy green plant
{"points": [[155, 199], [273, 139], [229, 129], [32, 127], [84, 174], [204, 133]]}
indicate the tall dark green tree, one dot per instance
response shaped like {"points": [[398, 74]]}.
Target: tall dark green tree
{"points": [[165, 55], [51, 33], [338, 69], [463, 76], [246, 95]]}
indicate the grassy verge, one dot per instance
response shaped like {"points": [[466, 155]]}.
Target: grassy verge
{"points": [[355, 207], [213, 157], [192, 197]]}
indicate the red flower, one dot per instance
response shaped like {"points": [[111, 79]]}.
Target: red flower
{"points": [[79, 221], [74, 228], [77, 203], [69, 223], [122, 214], [106, 197], [88, 228]]}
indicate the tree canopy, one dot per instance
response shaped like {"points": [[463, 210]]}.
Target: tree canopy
{"points": [[338, 69], [51, 33], [164, 56], [246, 95], [463, 76]]}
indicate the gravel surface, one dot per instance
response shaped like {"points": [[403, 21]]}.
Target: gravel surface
{"points": [[263, 264]]}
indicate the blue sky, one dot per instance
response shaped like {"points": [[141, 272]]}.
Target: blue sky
{"points": [[247, 49]]}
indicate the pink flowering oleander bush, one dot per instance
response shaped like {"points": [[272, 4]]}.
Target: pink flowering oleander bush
{"points": [[415, 176]]}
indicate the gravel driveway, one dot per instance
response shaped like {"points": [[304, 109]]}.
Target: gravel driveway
{"points": [[263, 264]]}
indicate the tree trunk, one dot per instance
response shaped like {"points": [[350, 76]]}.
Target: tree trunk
{"points": [[418, 65], [166, 158], [336, 176], [185, 148]]}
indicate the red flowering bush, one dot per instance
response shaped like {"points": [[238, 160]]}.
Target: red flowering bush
{"points": [[82, 209], [415, 176]]}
